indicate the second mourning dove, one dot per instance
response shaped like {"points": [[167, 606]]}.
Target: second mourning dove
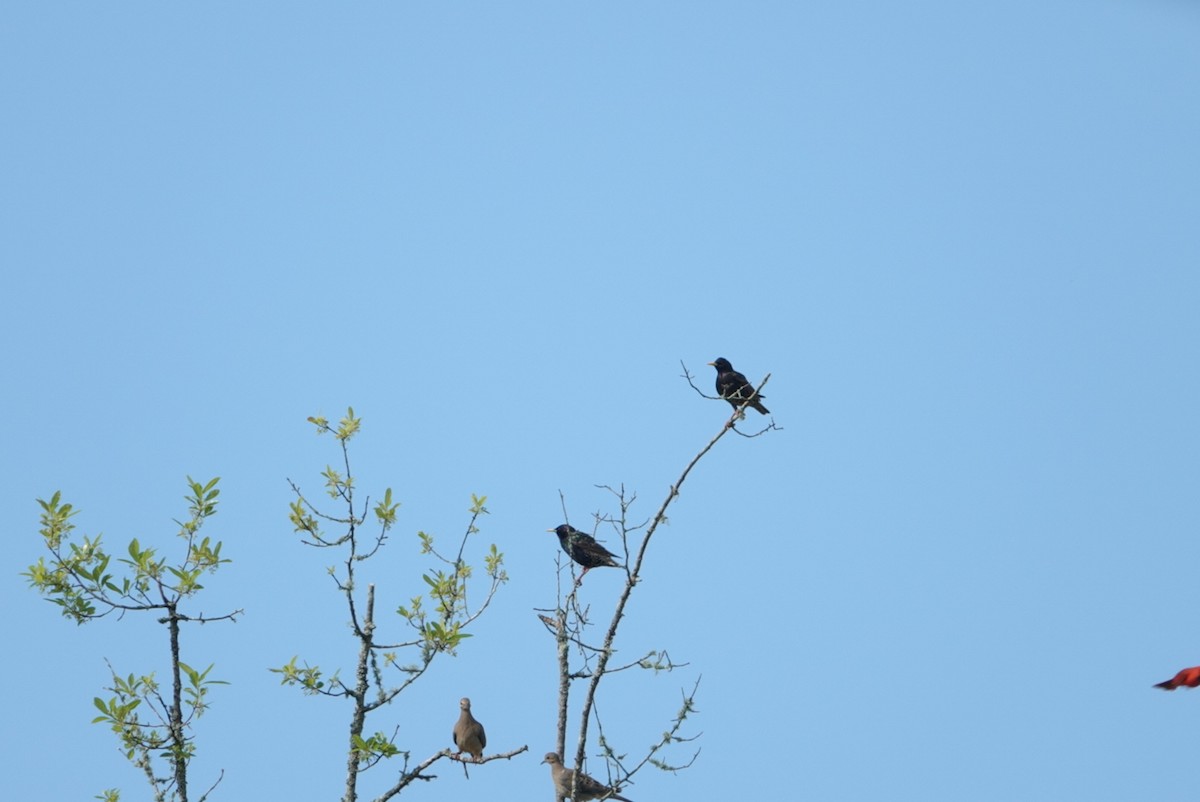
{"points": [[583, 549], [733, 387], [586, 788], [468, 733]]}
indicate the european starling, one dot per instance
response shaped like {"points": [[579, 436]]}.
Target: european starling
{"points": [[586, 788], [469, 736], [1189, 677], [583, 549], [733, 387]]}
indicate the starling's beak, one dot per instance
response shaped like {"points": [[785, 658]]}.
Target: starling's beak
{"points": [[714, 364], [549, 530]]}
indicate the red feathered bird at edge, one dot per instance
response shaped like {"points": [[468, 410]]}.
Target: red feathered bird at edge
{"points": [[1189, 677]]}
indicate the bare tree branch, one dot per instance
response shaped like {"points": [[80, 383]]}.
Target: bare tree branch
{"points": [[418, 773], [568, 631]]}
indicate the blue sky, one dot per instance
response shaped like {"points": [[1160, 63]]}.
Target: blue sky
{"points": [[961, 238]]}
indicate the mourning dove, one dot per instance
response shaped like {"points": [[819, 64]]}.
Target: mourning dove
{"points": [[468, 733], [583, 549], [585, 787]]}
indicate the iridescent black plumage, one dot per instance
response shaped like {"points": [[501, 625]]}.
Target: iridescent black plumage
{"points": [[733, 387], [583, 549]]}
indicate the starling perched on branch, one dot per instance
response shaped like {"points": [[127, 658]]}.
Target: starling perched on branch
{"points": [[733, 387], [586, 788], [583, 549]]}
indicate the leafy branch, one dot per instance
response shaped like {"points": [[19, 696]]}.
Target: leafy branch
{"points": [[83, 581], [438, 618]]}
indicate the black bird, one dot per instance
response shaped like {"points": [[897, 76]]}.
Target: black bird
{"points": [[733, 387], [583, 549]]}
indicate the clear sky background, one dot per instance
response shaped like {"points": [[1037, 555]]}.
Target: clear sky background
{"points": [[962, 237]]}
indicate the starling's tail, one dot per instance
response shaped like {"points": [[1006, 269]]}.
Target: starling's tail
{"points": [[761, 409], [1169, 685]]}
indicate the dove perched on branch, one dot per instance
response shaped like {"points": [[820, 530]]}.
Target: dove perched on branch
{"points": [[468, 733], [586, 788]]}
